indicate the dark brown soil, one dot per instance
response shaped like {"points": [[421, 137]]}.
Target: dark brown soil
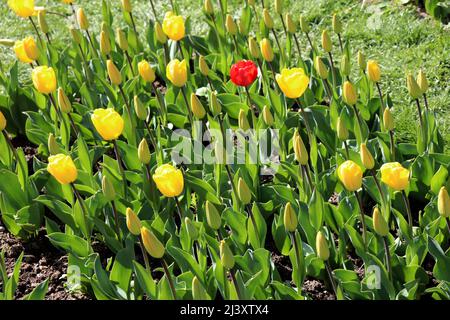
{"points": [[317, 290], [41, 261]]}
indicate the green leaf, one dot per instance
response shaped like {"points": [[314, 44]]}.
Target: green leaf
{"points": [[71, 243]]}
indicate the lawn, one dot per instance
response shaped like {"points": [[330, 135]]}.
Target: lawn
{"points": [[400, 38]]}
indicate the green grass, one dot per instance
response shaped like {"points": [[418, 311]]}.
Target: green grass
{"points": [[397, 36]]}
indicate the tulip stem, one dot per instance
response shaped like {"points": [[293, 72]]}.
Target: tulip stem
{"points": [[75, 130], [302, 111], [305, 169], [250, 105], [284, 25], [94, 51], [419, 111], [299, 52], [236, 46], [179, 210], [129, 61], [346, 149], [134, 25], [408, 208], [274, 76], [330, 276], [187, 105], [358, 116], [391, 137], [154, 11], [161, 104], [169, 278], [84, 210], [279, 47], [36, 29], [297, 252], [13, 150], [60, 116], [236, 286], [121, 169], [116, 220], [374, 175], [363, 222], [333, 72], [255, 226], [144, 255], [340, 43], [425, 100], [310, 42], [381, 100], [388, 257]]}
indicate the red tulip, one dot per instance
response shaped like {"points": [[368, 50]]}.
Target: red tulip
{"points": [[243, 73]]}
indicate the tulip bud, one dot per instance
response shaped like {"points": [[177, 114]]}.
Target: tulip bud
{"points": [[203, 66], [373, 71], [121, 39], [337, 25], [413, 87], [341, 129], [268, 21], [444, 203], [379, 223], [62, 168], [42, 22], [113, 73], [290, 218], [212, 216], [361, 61], [291, 27], [76, 36], [2, 122], [105, 44], [160, 35], [422, 81], [388, 120], [82, 19], [216, 108], [226, 256], [301, 155], [126, 5], [153, 246], [63, 101], [345, 65], [197, 108], [198, 292], [144, 152], [243, 29], [253, 48], [266, 50], [350, 175], [191, 229], [322, 247], [146, 71], [31, 48], [267, 116], [366, 157], [279, 6], [140, 109], [108, 189], [53, 147], [208, 7], [7, 42], [320, 67], [243, 122], [231, 25], [349, 93], [133, 222], [304, 26], [244, 192], [327, 45], [104, 27]]}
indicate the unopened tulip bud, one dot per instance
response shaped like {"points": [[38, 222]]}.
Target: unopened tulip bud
{"points": [[337, 25], [42, 22], [253, 48], [144, 152], [243, 29], [126, 5], [373, 71], [320, 67], [290, 218], [104, 27], [422, 81], [366, 157], [76, 36], [244, 192], [243, 122], [146, 71], [349, 93], [197, 107], [31, 48], [279, 6], [231, 25], [301, 154], [322, 247], [342, 131], [226, 256], [388, 120], [7, 42], [327, 45], [133, 222], [2, 122], [113, 73], [198, 292], [191, 228], [444, 202], [345, 65], [140, 109], [208, 7], [251, 2], [290, 24], [361, 61], [160, 35], [219, 153], [108, 189], [268, 21], [379, 223], [82, 19], [203, 66], [413, 87], [105, 44], [121, 39], [63, 101], [304, 26], [266, 50], [267, 116], [216, 108], [212, 216], [53, 147], [152, 245]]}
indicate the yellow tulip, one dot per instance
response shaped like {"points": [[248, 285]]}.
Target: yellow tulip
{"points": [[361, 60], [320, 67], [267, 116], [153, 246], [293, 82], [63, 101], [173, 26], [304, 26], [122, 39], [21, 54], [82, 19], [108, 189], [350, 174], [290, 24], [113, 73], [266, 50], [413, 88], [2, 122], [176, 72], [279, 6], [212, 216], [290, 218], [244, 192], [337, 24], [144, 152], [105, 44], [366, 157], [395, 176], [253, 47], [146, 71], [197, 107], [323, 252], [342, 131], [44, 79], [23, 8], [198, 292], [62, 168], [243, 123], [327, 45], [444, 202], [373, 71], [52, 145], [208, 7], [349, 93], [126, 5], [31, 48], [226, 256], [268, 21], [133, 222], [422, 81], [388, 120], [345, 65], [160, 35], [379, 223], [108, 123], [169, 180], [230, 25], [140, 109], [203, 66], [68, 1]]}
